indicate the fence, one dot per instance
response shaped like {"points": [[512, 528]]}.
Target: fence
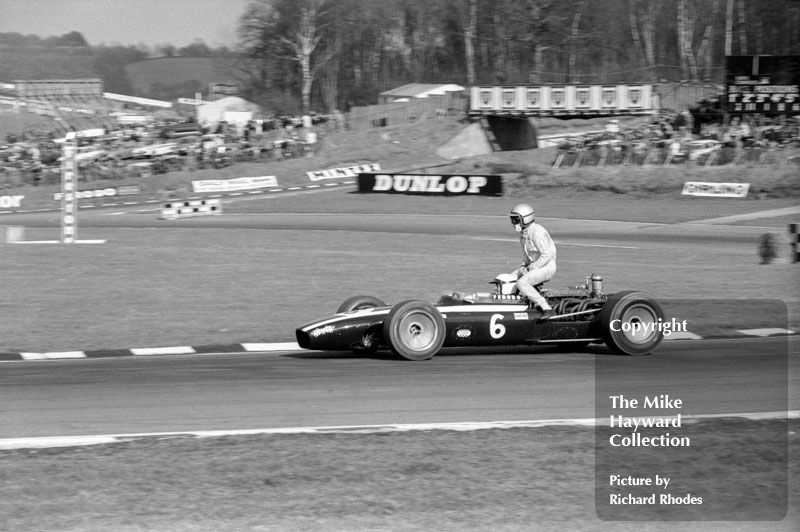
{"points": [[677, 97]]}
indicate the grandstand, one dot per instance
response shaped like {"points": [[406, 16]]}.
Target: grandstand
{"points": [[73, 104]]}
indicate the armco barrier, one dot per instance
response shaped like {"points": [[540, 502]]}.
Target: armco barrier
{"points": [[185, 209]]}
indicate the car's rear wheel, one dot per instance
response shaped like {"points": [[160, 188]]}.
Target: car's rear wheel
{"points": [[359, 303], [414, 330], [629, 323]]}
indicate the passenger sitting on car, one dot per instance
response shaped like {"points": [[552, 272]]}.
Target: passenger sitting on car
{"points": [[540, 257]]}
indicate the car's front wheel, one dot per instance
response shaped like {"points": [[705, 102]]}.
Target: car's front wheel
{"points": [[359, 303], [414, 330]]}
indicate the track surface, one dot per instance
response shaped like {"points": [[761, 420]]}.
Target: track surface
{"points": [[248, 391]]}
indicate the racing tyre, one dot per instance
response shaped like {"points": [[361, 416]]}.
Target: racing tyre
{"points": [[414, 330], [629, 323], [360, 302]]}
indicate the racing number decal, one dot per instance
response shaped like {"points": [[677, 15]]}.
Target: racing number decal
{"points": [[496, 329]]}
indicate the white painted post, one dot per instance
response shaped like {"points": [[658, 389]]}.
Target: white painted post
{"points": [[69, 198]]}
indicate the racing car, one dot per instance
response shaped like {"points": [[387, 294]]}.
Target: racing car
{"points": [[627, 322]]}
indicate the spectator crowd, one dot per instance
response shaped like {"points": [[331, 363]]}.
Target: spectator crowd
{"points": [[34, 157], [677, 138]]}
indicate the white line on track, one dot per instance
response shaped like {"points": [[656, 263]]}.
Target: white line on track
{"points": [[596, 245], [558, 242], [74, 441]]}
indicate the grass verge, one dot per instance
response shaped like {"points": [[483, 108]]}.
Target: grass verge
{"points": [[500, 479]]}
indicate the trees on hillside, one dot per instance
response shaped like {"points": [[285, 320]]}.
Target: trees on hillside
{"points": [[328, 53], [110, 62], [72, 39]]}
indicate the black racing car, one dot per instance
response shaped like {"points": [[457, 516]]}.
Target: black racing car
{"points": [[628, 322]]}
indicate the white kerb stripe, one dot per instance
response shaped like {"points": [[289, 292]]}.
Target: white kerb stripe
{"points": [[278, 346], [179, 350], [765, 332], [682, 335], [53, 355]]}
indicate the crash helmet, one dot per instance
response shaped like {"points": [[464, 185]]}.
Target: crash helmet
{"points": [[505, 284], [522, 216]]}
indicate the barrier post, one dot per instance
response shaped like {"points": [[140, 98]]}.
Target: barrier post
{"points": [[69, 199], [187, 208], [794, 231]]}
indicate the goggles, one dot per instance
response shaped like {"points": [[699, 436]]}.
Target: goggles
{"points": [[516, 220]]}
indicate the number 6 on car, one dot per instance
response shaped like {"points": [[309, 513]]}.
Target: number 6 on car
{"points": [[496, 329]]}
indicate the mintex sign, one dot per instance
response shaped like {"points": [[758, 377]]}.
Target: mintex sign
{"points": [[443, 185], [349, 171], [719, 190]]}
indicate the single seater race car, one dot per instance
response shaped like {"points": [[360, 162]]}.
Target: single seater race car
{"points": [[627, 322]]}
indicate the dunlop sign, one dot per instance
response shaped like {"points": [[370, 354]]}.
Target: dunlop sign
{"points": [[424, 184], [719, 190], [8, 202]]}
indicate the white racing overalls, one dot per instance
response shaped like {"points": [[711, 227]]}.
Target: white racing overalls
{"points": [[539, 251]]}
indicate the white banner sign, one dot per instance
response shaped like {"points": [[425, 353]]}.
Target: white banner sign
{"points": [[102, 192], [136, 99], [349, 171], [240, 183], [720, 190]]}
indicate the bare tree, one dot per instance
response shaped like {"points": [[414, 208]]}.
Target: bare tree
{"points": [[633, 20], [303, 40], [649, 32], [573, 45], [273, 32], [685, 38], [742, 28], [704, 52], [729, 27], [256, 40], [469, 20]]}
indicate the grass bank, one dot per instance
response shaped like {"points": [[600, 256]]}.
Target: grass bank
{"points": [[500, 479]]}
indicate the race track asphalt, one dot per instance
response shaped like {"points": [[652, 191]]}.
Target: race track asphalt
{"points": [[261, 391]]}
